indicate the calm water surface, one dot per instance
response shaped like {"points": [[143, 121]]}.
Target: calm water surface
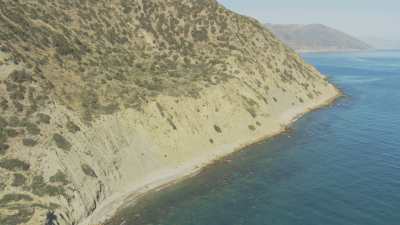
{"points": [[339, 165]]}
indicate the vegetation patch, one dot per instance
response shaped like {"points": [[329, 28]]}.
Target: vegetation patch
{"points": [[61, 142], [217, 129], [200, 35], [14, 165], [29, 142], [3, 122], [44, 118], [11, 133], [21, 76], [23, 216], [12, 198], [160, 109], [171, 123], [252, 127], [14, 121], [40, 188], [19, 180], [3, 148], [32, 128], [249, 101], [88, 170], [59, 177], [252, 112], [51, 206], [3, 135], [72, 127]]}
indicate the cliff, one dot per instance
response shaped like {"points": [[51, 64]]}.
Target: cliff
{"points": [[316, 38], [100, 99]]}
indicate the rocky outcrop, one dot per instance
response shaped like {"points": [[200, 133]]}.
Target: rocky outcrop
{"points": [[104, 98]]}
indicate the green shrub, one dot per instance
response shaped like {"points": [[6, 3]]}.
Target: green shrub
{"points": [[19, 180], [109, 109], [8, 198], [88, 170], [11, 133], [252, 112], [252, 127], [217, 129], [32, 128], [44, 118], [160, 109], [29, 142], [3, 135], [14, 164], [51, 206], [63, 47], [171, 123], [59, 177], [40, 188], [3, 148], [21, 217], [3, 122], [14, 121], [61, 142], [20, 76], [18, 93], [72, 127], [90, 100], [18, 106], [4, 105], [200, 35]]}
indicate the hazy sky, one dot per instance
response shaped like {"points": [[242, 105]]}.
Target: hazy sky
{"points": [[376, 18]]}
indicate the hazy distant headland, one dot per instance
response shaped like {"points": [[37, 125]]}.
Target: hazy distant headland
{"points": [[382, 43], [316, 38]]}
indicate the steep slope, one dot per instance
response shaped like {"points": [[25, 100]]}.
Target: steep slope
{"points": [[102, 98], [316, 38]]}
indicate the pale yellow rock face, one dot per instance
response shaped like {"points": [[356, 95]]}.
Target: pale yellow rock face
{"points": [[87, 124], [154, 153]]}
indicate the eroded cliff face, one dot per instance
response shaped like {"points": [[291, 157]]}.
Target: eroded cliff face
{"points": [[99, 98]]}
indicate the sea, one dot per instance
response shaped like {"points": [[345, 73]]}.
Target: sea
{"points": [[339, 165]]}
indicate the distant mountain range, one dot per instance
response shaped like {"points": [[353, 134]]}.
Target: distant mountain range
{"points": [[382, 43], [316, 38]]}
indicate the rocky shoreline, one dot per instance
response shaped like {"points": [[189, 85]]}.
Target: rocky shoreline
{"points": [[115, 203]]}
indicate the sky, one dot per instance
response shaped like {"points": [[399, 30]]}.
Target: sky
{"points": [[361, 18]]}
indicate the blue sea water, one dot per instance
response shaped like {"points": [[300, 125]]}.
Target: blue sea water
{"points": [[338, 166]]}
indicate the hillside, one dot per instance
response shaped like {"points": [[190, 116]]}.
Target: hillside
{"points": [[316, 38], [102, 98]]}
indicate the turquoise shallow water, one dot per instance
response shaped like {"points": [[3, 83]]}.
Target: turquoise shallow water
{"points": [[338, 166]]}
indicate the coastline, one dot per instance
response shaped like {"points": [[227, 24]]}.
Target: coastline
{"points": [[156, 182]]}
